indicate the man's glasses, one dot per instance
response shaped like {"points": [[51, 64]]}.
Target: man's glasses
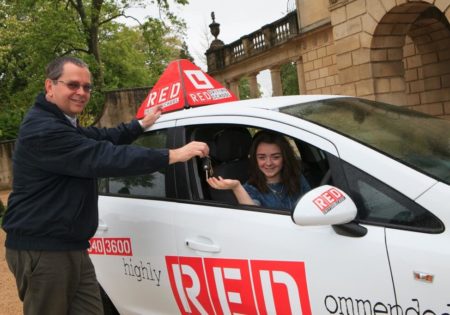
{"points": [[75, 86]]}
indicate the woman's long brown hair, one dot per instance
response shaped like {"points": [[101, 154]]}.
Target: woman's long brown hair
{"points": [[290, 173]]}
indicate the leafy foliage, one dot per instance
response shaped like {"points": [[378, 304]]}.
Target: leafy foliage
{"points": [[10, 119], [184, 52], [244, 89], [289, 79], [32, 33]]}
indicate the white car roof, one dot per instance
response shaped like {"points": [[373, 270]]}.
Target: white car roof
{"points": [[268, 103]]}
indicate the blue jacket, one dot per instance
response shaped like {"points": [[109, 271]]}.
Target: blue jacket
{"points": [[53, 203], [277, 198]]}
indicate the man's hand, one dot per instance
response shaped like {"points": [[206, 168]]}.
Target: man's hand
{"points": [[151, 117], [188, 151]]}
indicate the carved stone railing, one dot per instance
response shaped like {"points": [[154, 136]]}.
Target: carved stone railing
{"points": [[267, 37]]}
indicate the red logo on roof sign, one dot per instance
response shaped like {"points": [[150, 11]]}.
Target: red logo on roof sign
{"points": [[184, 85]]}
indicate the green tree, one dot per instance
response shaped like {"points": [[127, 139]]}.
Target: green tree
{"points": [[34, 32], [244, 89], [289, 79], [184, 52]]}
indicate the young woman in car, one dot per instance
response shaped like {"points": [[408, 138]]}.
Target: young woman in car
{"points": [[275, 179]]}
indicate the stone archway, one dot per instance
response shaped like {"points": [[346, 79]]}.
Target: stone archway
{"points": [[410, 57]]}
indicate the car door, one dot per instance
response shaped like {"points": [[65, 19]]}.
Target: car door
{"points": [[420, 271], [416, 240], [238, 259], [134, 236]]}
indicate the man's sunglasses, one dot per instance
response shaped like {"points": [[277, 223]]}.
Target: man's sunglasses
{"points": [[75, 86]]}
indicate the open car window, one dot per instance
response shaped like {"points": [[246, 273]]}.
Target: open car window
{"points": [[229, 152]]}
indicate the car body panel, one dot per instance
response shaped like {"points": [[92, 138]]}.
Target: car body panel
{"points": [[222, 258], [137, 283], [420, 273], [330, 267]]}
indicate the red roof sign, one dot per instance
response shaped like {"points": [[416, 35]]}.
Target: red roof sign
{"points": [[184, 85]]}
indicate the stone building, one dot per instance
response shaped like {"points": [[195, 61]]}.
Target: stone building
{"points": [[396, 51]]}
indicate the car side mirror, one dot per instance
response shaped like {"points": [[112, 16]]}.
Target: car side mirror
{"points": [[324, 205]]}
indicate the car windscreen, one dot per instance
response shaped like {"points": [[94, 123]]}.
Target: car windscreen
{"points": [[413, 138]]}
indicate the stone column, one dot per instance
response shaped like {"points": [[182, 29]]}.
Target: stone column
{"points": [[253, 83], [275, 74], [267, 31], [234, 87], [301, 77], [227, 57], [247, 44]]}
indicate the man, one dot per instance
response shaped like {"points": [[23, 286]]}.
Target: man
{"points": [[52, 210]]}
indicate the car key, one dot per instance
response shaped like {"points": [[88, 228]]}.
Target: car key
{"points": [[207, 167]]}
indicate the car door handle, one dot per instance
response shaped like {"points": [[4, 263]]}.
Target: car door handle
{"points": [[102, 226], [201, 246]]}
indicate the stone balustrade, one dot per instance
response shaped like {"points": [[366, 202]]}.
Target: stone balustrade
{"points": [[269, 36]]}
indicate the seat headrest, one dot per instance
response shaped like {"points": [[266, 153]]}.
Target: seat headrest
{"points": [[231, 144]]}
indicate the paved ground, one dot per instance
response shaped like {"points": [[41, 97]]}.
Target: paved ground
{"points": [[9, 301]]}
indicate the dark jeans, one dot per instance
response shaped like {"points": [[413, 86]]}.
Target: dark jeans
{"points": [[55, 282]]}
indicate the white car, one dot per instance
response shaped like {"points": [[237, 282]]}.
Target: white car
{"points": [[369, 238]]}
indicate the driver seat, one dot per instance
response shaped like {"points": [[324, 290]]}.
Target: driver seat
{"points": [[230, 151]]}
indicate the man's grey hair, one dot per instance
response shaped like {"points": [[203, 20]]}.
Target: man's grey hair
{"points": [[54, 69]]}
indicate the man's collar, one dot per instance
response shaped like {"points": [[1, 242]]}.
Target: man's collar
{"points": [[42, 102], [73, 120]]}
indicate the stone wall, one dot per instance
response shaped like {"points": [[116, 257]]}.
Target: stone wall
{"points": [[311, 11], [121, 105], [395, 51], [319, 64]]}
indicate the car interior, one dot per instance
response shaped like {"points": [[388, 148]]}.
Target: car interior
{"points": [[229, 149]]}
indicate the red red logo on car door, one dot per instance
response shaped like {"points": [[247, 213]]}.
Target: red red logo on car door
{"points": [[227, 286]]}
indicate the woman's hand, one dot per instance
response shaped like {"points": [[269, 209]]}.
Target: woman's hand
{"points": [[241, 194], [223, 184]]}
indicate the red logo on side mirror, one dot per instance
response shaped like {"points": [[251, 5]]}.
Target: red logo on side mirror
{"points": [[328, 200]]}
